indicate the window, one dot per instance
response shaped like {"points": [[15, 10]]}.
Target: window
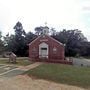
{"points": [[43, 36], [34, 49], [54, 50], [43, 48]]}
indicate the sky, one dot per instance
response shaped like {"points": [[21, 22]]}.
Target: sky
{"points": [[59, 14]]}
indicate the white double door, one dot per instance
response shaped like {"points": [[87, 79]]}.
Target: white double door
{"points": [[43, 50]]}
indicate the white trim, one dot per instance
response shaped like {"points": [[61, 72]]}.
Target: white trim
{"points": [[43, 53], [47, 36], [34, 40], [55, 40]]}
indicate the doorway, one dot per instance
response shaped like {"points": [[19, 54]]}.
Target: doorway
{"points": [[43, 50]]}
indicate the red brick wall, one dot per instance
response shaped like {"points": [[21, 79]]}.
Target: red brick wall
{"points": [[58, 55]]}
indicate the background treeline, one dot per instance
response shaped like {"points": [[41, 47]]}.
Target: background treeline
{"points": [[76, 44]]}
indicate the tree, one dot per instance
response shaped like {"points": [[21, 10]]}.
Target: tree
{"points": [[19, 39], [30, 37], [38, 30], [41, 30], [88, 49], [1, 44], [16, 43], [72, 39], [53, 31], [9, 42]]}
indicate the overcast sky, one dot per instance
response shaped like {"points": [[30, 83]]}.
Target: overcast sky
{"points": [[69, 14]]}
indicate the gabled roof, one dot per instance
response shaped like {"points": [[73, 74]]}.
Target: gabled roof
{"points": [[35, 40], [56, 40], [49, 37]]}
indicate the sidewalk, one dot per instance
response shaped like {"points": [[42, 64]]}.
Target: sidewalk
{"points": [[31, 66], [19, 70]]}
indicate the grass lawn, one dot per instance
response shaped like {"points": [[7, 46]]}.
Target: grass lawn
{"points": [[66, 74], [20, 61]]}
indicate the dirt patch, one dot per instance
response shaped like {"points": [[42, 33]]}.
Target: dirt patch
{"points": [[24, 82]]}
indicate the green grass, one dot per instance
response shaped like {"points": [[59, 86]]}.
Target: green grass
{"points": [[20, 61], [66, 74]]}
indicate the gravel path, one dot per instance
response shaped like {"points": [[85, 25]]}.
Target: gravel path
{"points": [[23, 82], [31, 66], [81, 61], [11, 71]]}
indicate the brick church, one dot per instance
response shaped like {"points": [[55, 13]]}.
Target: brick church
{"points": [[45, 48]]}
